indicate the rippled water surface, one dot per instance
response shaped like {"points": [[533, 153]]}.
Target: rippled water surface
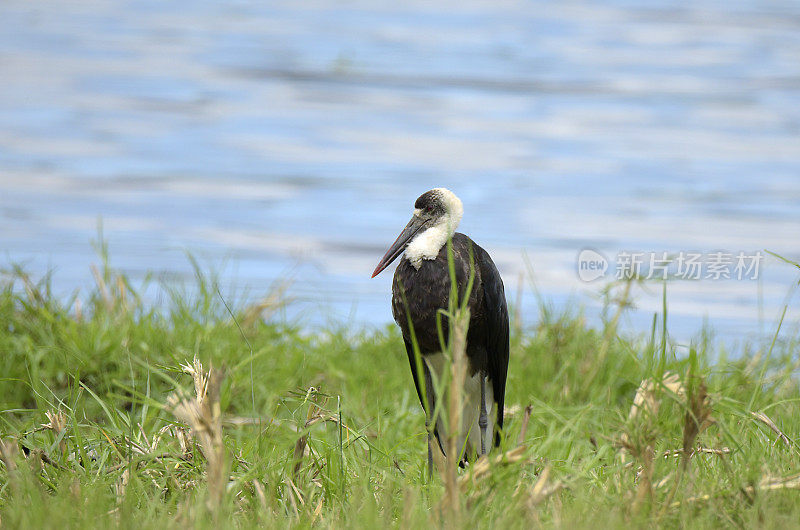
{"points": [[289, 139]]}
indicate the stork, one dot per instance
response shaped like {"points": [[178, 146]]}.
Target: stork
{"points": [[421, 287]]}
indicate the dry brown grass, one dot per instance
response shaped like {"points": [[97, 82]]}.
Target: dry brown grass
{"points": [[202, 413], [458, 369]]}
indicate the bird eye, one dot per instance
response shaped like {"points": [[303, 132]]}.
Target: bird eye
{"points": [[429, 208]]}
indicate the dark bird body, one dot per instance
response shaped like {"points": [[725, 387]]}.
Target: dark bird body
{"points": [[428, 289], [422, 286]]}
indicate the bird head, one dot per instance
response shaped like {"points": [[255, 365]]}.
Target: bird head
{"points": [[436, 215]]}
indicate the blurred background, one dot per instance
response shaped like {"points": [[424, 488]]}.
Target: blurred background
{"points": [[288, 140]]}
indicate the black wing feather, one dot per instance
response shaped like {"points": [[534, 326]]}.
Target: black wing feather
{"points": [[497, 337]]}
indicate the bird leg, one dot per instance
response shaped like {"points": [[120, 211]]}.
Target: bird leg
{"points": [[483, 419]]}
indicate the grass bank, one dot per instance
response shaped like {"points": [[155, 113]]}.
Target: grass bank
{"points": [[116, 413]]}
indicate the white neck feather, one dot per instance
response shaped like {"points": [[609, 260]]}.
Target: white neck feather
{"points": [[427, 244]]}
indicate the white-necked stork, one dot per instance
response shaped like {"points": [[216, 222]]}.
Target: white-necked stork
{"points": [[421, 287]]}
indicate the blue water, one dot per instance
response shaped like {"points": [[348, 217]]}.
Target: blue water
{"points": [[289, 139]]}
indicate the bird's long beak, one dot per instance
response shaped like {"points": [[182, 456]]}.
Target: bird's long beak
{"points": [[414, 225]]}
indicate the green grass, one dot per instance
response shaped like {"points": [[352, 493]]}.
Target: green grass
{"points": [[324, 429]]}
